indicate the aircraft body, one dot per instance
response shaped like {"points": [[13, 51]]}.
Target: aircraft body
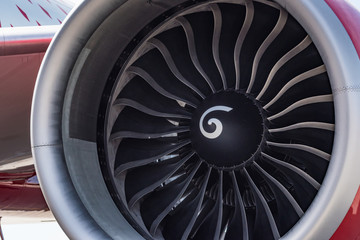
{"points": [[26, 30]]}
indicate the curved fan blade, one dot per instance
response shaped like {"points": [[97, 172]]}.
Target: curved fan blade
{"points": [[139, 95], [160, 203], [134, 152], [271, 37], [289, 210], [164, 86], [316, 125], [294, 81], [305, 187], [133, 124], [215, 42], [242, 70], [211, 226], [240, 40], [266, 221], [315, 112], [304, 44], [180, 46], [143, 180], [294, 169], [181, 223], [304, 102], [301, 147], [200, 38], [238, 225], [170, 62], [317, 138]]}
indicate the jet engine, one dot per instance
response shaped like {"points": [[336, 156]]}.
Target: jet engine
{"points": [[199, 119]]}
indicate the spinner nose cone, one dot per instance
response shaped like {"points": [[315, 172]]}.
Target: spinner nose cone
{"points": [[227, 129]]}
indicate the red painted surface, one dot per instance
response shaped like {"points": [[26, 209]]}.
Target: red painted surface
{"points": [[19, 64], [17, 79], [17, 194], [16, 177], [46, 12], [23, 13], [62, 10], [349, 229], [24, 46], [350, 18]]}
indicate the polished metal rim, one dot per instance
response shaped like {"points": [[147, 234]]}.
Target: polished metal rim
{"points": [[206, 56], [79, 58]]}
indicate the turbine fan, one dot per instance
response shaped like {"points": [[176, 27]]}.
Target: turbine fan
{"points": [[256, 67]]}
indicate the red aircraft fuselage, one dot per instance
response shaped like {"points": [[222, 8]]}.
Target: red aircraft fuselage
{"points": [[26, 30]]}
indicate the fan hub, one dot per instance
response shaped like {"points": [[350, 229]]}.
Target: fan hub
{"points": [[227, 129]]}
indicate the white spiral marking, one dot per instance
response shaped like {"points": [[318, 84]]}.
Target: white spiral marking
{"points": [[217, 122]]}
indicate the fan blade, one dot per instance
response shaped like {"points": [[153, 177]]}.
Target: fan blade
{"points": [[144, 180], [304, 76], [139, 95], [316, 125], [177, 43], [159, 203], [303, 102], [274, 33], [181, 223], [211, 226], [289, 55], [305, 187], [203, 38], [216, 41], [162, 84], [192, 50], [171, 64], [134, 152], [294, 169], [132, 123], [240, 40], [238, 226], [263, 223], [301, 147]]}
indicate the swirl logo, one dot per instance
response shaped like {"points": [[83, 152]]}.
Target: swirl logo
{"points": [[217, 122]]}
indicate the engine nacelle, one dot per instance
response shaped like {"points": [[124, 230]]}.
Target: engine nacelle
{"points": [[183, 119]]}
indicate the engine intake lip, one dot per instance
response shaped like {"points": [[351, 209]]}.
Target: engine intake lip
{"points": [[79, 207]]}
